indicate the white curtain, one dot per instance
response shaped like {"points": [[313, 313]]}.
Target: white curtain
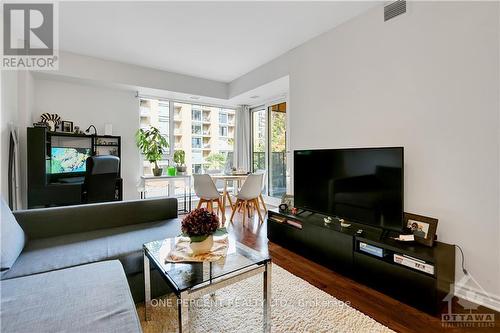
{"points": [[242, 138]]}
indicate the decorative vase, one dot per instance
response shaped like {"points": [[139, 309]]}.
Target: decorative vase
{"points": [[171, 171], [203, 246], [157, 171]]}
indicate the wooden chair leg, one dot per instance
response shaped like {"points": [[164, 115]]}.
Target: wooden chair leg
{"points": [[235, 207], [256, 201], [263, 203], [199, 203], [209, 205], [229, 198], [244, 211], [250, 208], [222, 211]]}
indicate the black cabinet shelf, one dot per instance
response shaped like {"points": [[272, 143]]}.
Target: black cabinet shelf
{"points": [[46, 189], [337, 247]]}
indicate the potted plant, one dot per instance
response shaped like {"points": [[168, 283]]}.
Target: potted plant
{"points": [[200, 226], [180, 160], [152, 144]]}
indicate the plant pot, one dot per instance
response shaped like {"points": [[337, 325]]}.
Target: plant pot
{"points": [[171, 171], [181, 169], [157, 171], [203, 246]]}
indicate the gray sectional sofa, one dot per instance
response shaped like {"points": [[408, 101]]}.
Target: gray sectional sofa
{"points": [[79, 268]]}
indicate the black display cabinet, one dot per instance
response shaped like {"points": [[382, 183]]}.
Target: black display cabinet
{"points": [[46, 189]]}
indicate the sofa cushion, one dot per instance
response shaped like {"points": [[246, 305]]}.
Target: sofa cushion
{"points": [[12, 237], [123, 243], [88, 298]]}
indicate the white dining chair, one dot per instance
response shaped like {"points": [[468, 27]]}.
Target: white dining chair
{"points": [[264, 174], [248, 196], [207, 192]]}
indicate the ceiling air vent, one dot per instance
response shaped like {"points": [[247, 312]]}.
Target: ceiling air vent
{"points": [[394, 9]]}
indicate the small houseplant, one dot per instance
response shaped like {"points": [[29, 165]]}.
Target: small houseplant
{"points": [[152, 144], [200, 226], [180, 160]]}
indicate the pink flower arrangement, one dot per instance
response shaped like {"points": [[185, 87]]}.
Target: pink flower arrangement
{"points": [[199, 224]]}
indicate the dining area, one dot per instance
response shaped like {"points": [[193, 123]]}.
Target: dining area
{"points": [[217, 193]]}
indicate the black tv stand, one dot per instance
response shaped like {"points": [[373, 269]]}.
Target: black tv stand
{"points": [[302, 211], [340, 249]]}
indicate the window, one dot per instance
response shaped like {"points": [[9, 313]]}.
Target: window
{"points": [[223, 118], [206, 144], [155, 113], [196, 115], [223, 130], [269, 146], [188, 127], [205, 133], [259, 140], [196, 168], [277, 150], [196, 143], [196, 129]]}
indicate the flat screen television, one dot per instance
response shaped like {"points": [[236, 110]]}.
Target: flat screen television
{"points": [[363, 185], [64, 160]]}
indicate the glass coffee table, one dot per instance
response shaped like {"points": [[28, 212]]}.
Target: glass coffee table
{"points": [[192, 280]]}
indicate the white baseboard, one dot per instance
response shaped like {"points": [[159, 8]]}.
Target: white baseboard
{"points": [[487, 300]]}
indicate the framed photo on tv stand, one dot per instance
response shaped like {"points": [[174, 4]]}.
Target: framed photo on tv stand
{"points": [[423, 228]]}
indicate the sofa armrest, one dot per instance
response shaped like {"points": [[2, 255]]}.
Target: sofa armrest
{"points": [[50, 222]]}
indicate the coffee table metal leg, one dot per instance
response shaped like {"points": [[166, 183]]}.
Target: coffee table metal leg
{"points": [[183, 309], [267, 298], [147, 289]]}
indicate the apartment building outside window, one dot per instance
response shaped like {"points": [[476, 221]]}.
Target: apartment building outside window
{"points": [[156, 113], [205, 133], [209, 138]]}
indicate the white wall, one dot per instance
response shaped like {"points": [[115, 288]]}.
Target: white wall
{"points": [[9, 115], [85, 105], [428, 81], [111, 72]]}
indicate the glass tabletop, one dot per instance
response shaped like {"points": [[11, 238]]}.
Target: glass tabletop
{"points": [[183, 276]]}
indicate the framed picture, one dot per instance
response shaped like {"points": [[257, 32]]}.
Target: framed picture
{"points": [[423, 228], [67, 126], [287, 199]]}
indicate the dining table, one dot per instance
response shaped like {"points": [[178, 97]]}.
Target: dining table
{"points": [[238, 178]]}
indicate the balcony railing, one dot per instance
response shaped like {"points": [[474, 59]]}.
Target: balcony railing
{"points": [[278, 171]]}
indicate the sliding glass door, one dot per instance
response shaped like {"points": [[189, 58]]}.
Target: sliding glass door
{"points": [[277, 147], [269, 148]]}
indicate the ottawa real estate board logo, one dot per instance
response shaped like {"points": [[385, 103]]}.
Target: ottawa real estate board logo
{"points": [[30, 39]]}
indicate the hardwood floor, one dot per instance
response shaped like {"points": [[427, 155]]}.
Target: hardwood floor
{"points": [[386, 310]]}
